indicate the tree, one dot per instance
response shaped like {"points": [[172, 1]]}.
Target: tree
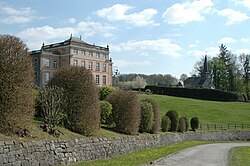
{"points": [[139, 82], [16, 86], [82, 104], [183, 77]]}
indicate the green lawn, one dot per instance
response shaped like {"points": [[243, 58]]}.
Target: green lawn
{"points": [[142, 156], [239, 156], [206, 111]]}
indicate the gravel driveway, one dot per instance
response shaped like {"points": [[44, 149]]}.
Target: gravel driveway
{"points": [[202, 155]]}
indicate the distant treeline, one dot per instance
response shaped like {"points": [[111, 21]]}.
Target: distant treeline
{"points": [[154, 79]]}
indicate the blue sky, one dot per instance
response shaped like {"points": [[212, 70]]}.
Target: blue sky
{"points": [[145, 36]]}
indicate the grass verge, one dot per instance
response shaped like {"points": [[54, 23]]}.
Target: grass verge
{"points": [[141, 156], [239, 156]]}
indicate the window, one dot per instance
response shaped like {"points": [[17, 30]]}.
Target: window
{"points": [[75, 51], [97, 66], [97, 55], [75, 62], [104, 67], [83, 63], [97, 79], [47, 62], [104, 56], [91, 65], [47, 76], [83, 53], [55, 64], [90, 53], [104, 80]]}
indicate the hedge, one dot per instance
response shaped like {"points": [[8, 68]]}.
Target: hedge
{"points": [[196, 93]]}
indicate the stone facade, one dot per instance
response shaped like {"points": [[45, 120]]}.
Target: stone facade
{"points": [[72, 52], [54, 152]]}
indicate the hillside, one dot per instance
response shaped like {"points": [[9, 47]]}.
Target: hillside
{"points": [[207, 111]]}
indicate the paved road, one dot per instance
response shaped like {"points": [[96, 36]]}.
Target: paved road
{"points": [[203, 155]]}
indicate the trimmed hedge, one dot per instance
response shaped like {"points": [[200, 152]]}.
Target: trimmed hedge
{"points": [[204, 94], [82, 105], [126, 113], [104, 91], [106, 111], [182, 125], [147, 117], [194, 123], [17, 93], [165, 123], [157, 118], [174, 117]]}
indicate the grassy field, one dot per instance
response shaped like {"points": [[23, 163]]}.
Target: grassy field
{"points": [[206, 111], [142, 156], [239, 156]]}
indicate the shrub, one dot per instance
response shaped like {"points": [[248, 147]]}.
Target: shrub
{"points": [[182, 125], [194, 123], [52, 104], [148, 91], [104, 91], [147, 117], [106, 111], [174, 117], [157, 119], [165, 123], [16, 86], [82, 105], [187, 122], [126, 111]]}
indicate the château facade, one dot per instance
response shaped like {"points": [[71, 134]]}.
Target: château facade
{"points": [[72, 52]]}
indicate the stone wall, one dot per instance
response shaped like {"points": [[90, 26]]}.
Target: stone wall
{"points": [[54, 152]]}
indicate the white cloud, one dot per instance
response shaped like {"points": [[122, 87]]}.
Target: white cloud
{"points": [[233, 16], [118, 13], [183, 13], [245, 3], [242, 51], [211, 51], [126, 63], [34, 37], [18, 15], [72, 20], [245, 40], [143, 47], [14, 11], [195, 44], [226, 40]]}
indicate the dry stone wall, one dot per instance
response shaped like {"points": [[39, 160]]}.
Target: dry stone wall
{"points": [[55, 152]]}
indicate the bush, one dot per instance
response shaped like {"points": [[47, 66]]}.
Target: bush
{"points": [[148, 91], [82, 105], [165, 123], [157, 119], [52, 103], [186, 122], [174, 117], [182, 125], [16, 86], [106, 111], [147, 117], [126, 111], [104, 91], [194, 123]]}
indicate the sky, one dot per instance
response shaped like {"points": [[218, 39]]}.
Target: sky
{"points": [[144, 36]]}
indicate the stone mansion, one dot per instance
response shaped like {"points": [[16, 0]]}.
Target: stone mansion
{"points": [[74, 52]]}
